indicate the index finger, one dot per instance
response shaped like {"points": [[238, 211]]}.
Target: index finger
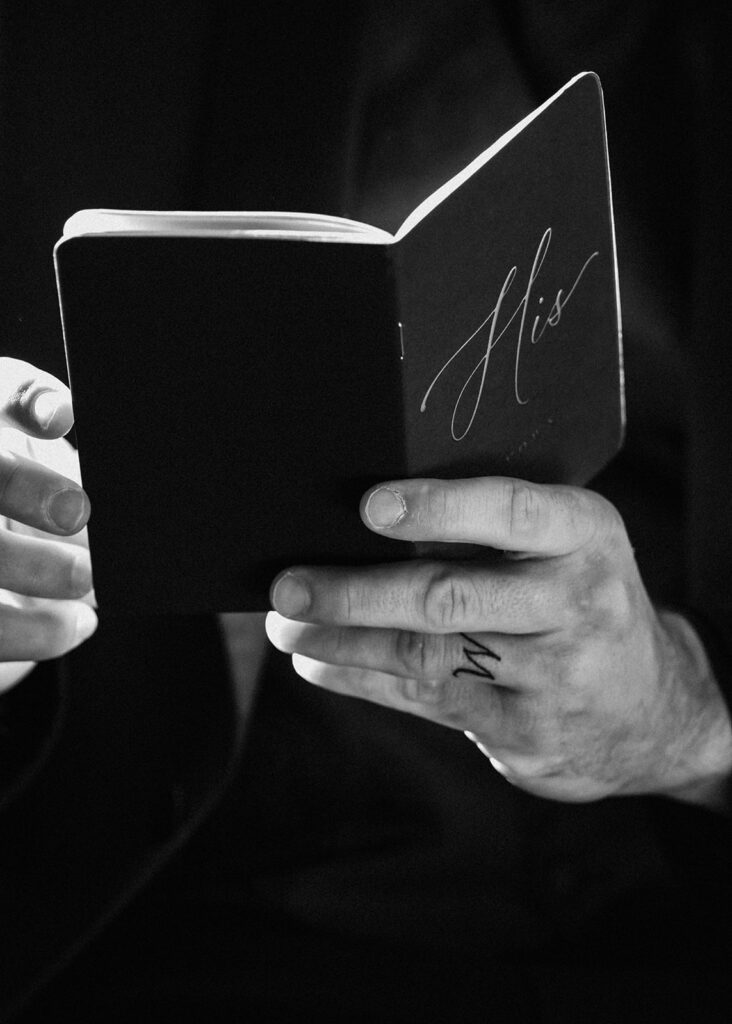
{"points": [[497, 512], [33, 400]]}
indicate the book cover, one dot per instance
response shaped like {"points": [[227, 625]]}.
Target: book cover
{"points": [[240, 379]]}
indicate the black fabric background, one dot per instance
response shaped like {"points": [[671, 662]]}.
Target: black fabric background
{"points": [[369, 852]]}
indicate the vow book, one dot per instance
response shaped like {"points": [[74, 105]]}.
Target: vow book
{"points": [[239, 379]]}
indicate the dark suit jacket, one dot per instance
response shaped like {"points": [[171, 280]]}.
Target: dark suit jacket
{"points": [[168, 107]]}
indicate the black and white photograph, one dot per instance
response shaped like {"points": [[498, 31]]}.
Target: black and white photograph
{"points": [[365, 530]]}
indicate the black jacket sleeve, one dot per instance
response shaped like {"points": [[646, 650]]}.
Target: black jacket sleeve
{"points": [[30, 716]]}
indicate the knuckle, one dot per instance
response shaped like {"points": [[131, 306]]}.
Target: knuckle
{"points": [[440, 700], [24, 384], [16, 400], [525, 508], [310, 644], [352, 600], [429, 693], [19, 397], [448, 600], [598, 599], [418, 654]]}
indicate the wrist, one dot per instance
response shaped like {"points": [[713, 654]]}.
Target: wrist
{"points": [[701, 764]]}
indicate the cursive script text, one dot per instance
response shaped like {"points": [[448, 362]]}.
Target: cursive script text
{"points": [[491, 330]]}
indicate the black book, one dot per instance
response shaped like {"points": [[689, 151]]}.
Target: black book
{"points": [[239, 379]]}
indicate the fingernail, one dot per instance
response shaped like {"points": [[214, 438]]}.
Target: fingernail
{"points": [[291, 595], [81, 575], [45, 407], [67, 508], [86, 623], [385, 508]]}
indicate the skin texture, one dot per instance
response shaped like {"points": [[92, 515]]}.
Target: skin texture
{"points": [[45, 572], [549, 656]]}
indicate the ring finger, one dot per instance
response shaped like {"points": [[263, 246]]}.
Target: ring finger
{"points": [[502, 660]]}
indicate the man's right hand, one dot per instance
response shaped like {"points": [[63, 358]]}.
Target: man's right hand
{"points": [[42, 580]]}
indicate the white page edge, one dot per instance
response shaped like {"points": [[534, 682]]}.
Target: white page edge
{"points": [[433, 201], [174, 223]]}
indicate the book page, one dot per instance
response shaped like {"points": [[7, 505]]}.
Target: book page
{"points": [[437, 197], [279, 224], [509, 306], [247, 224]]}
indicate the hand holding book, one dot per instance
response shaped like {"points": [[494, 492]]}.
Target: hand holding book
{"points": [[296, 358], [45, 573], [301, 358], [552, 659]]}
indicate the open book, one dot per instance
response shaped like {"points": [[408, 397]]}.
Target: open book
{"points": [[240, 378]]}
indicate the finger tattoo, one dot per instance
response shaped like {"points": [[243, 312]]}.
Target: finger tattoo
{"points": [[476, 667]]}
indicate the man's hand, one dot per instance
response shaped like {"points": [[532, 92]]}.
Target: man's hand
{"points": [[41, 580], [550, 656]]}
